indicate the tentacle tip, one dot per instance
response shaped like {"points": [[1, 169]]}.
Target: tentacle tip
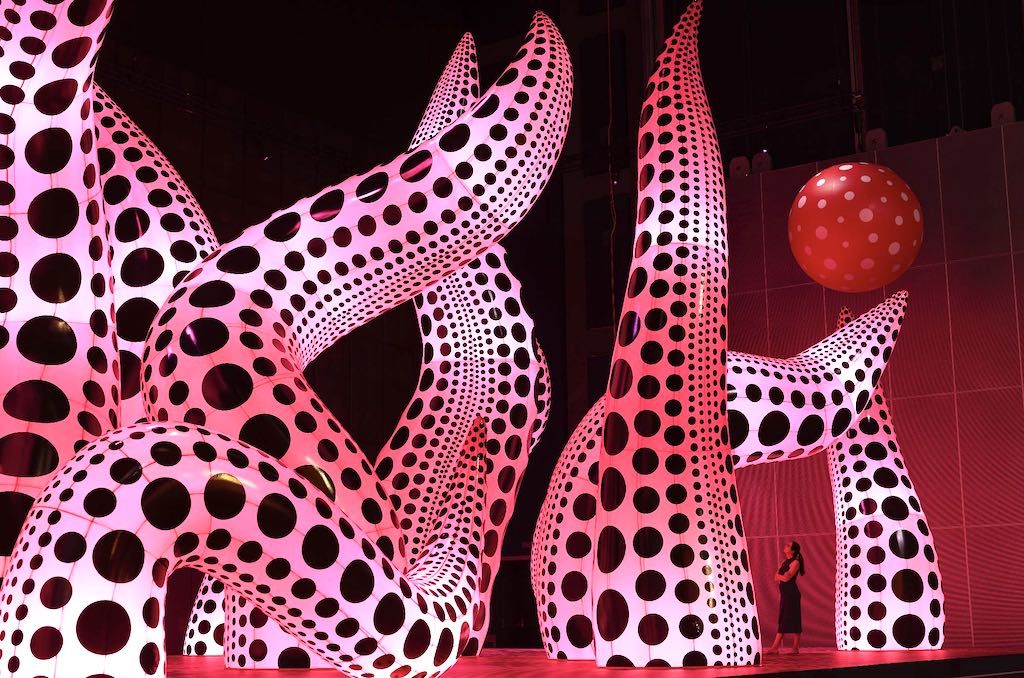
{"points": [[541, 21], [899, 302]]}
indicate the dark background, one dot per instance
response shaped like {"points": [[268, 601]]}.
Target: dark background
{"points": [[259, 103]]}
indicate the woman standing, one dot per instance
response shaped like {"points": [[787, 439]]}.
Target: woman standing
{"points": [[789, 598]]}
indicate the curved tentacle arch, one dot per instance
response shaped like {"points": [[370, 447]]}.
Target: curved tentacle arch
{"points": [[145, 500], [57, 343], [782, 409], [258, 644]]}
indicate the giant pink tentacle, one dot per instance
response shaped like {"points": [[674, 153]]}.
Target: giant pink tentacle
{"points": [[85, 590], [478, 361], [57, 346], [666, 404], [204, 632], [158, 233], [790, 408], [229, 347], [255, 642], [888, 585], [456, 90]]}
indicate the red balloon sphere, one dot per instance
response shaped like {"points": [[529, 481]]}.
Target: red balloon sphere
{"points": [[855, 227]]}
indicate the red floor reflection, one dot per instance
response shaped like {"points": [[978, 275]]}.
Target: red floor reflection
{"points": [[533, 664]]}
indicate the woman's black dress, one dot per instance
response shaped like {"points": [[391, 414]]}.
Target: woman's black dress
{"points": [[789, 602]]}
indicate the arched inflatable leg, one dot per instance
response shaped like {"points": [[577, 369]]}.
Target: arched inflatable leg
{"points": [[888, 586]]}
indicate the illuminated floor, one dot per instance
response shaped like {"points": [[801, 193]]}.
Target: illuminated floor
{"points": [[533, 664]]}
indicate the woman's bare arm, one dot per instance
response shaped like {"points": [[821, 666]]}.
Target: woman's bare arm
{"points": [[794, 567]]}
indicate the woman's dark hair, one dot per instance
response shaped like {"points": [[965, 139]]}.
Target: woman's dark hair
{"points": [[794, 546]]}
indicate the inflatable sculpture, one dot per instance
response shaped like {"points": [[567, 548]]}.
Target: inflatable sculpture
{"points": [[241, 472], [472, 327], [777, 410], [664, 570], [61, 322], [57, 345], [888, 590], [158, 233]]}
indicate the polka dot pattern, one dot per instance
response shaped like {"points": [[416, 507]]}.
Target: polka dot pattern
{"points": [[157, 234], [664, 508], [291, 298], [796, 407], [480, 359], [778, 409], [678, 295], [57, 345], [888, 587], [348, 606], [424, 225], [855, 227]]}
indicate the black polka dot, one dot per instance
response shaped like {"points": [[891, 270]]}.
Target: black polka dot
{"points": [[166, 503], [118, 556], [53, 213], [226, 386], [276, 516], [320, 547], [48, 150], [356, 582], [103, 627]]}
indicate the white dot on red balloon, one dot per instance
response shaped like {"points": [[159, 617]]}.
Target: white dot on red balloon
{"points": [[845, 167], [830, 264], [899, 220], [822, 203], [865, 178], [897, 267], [872, 237], [807, 249], [846, 243], [840, 219], [867, 264], [819, 182], [904, 197], [802, 201], [884, 199], [894, 248], [847, 276], [848, 195], [821, 232], [917, 215], [866, 215]]}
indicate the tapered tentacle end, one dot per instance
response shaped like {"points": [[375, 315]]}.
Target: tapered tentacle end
{"points": [[456, 89]]}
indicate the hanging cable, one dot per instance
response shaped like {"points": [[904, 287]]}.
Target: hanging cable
{"points": [[611, 164]]}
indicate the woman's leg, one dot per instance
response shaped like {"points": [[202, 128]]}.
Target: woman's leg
{"points": [[775, 644], [796, 643]]}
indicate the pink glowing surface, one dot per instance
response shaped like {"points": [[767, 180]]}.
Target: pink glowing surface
{"points": [[638, 556], [418, 536]]}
